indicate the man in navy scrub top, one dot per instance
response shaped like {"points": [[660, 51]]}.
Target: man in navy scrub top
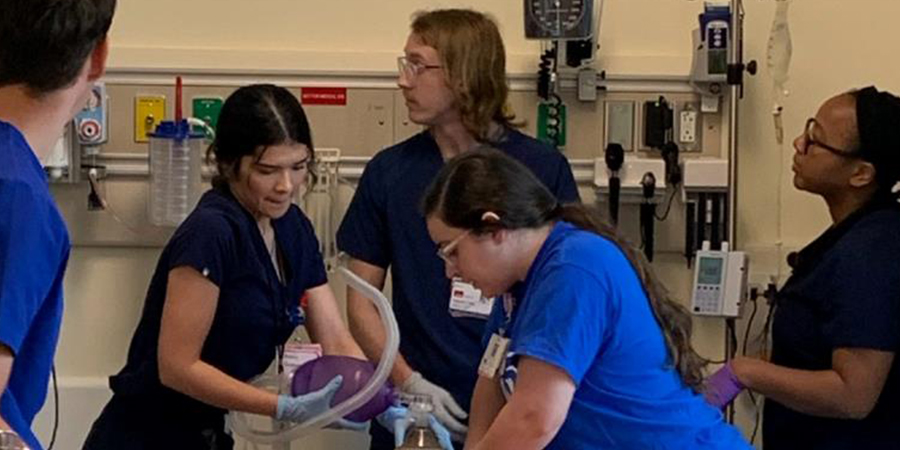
{"points": [[452, 75]]}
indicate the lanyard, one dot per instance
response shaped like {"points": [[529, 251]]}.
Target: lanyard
{"points": [[509, 305]]}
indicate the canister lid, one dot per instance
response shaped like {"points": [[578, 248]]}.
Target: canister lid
{"points": [[180, 130]]}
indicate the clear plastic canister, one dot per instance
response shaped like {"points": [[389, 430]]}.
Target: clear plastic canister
{"points": [[176, 156]]}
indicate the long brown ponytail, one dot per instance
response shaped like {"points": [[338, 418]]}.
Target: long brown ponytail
{"points": [[673, 318]]}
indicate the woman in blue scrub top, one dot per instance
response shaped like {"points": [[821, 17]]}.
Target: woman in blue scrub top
{"points": [[834, 380], [227, 290], [584, 347]]}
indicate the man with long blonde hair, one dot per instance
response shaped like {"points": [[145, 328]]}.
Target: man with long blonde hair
{"points": [[453, 79]]}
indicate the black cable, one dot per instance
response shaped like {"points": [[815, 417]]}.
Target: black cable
{"points": [[732, 334], [753, 297], [769, 295], [732, 346], [545, 68], [668, 205], [55, 408]]}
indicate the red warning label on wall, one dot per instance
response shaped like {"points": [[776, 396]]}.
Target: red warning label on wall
{"points": [[323, 96]]}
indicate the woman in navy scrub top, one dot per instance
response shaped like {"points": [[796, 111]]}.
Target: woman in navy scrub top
{"points": [[584, 348], [227, 291], [833, 381]]}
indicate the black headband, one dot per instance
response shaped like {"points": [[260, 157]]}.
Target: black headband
{"points": [[878, 120]]}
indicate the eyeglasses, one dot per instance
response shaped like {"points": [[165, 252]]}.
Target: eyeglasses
{"points": [[412, 69], [448, 252], [809, 141]]}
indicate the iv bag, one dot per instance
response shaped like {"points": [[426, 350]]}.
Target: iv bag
{"points": [[780, 49]]}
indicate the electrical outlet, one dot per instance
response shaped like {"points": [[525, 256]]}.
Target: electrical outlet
{"points": [[687, 126]]}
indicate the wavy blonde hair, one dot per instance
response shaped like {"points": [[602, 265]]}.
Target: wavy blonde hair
{"points": [[474, 61]]}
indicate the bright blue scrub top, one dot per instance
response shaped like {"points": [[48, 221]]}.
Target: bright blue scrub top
{"points": [[34, 250], [255, 313], [844, 291], [582, 308], [384, 226]]}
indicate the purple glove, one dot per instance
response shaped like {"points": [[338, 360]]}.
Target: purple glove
{"points": [[721, 388]]}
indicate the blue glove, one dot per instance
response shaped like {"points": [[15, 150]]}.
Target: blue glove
{"points": [[303, 407], [344, 424], [397, 420]]}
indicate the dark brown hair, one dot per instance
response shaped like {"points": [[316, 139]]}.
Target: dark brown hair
{"points": [[254, 118], [44, 44]]}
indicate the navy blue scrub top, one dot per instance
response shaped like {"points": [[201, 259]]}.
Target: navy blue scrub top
{"points": [[384, 226], [255, 311], [844, 292]]}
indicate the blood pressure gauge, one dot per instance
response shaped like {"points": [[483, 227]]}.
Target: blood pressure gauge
{"points": [[558, 19]]}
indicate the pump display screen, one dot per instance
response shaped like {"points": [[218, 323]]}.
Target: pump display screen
{"points": [[710, 271]]}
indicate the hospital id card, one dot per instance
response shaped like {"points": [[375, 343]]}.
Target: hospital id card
{"points": [[466, 301], [493, 356]]}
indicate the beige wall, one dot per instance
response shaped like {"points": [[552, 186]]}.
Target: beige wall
{"points": [[838, 44], [286, 34]]}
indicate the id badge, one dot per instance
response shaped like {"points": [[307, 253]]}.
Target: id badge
{"points": [[297, 354], [466, 301], [493, 356]]}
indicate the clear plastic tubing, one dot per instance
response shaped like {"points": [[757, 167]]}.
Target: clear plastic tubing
{"points": [[240, 421]]}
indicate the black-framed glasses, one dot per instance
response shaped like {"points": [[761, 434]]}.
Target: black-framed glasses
{"points": [[809, 140], [412, 69]]}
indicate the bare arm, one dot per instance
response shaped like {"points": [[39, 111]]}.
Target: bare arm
{"points": [[6, 364], [190, 306], [849, 390], [535, 412], [486, 404], [325, 325], [365, 323]]}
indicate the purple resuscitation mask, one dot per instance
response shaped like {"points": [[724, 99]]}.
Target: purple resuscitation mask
{"points": [[356, 372]]}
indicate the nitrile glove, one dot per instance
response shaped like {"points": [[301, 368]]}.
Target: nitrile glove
{"points": [[397, 420], [344, 424], [446, 410], [721, 388], [303, 407]]}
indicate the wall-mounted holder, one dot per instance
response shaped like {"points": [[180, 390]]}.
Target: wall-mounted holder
{"points": [[631, 174], [705, 197]]}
